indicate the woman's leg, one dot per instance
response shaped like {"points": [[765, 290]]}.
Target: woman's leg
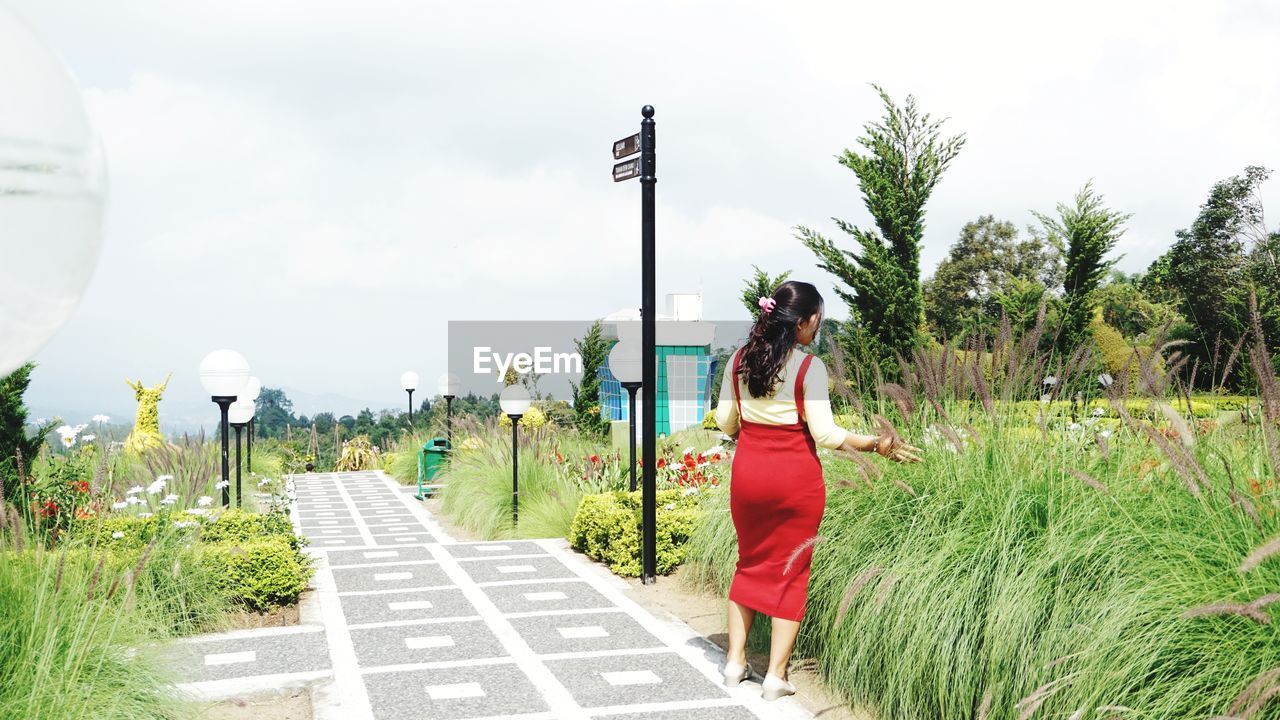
{"points": [[740, 618], [782, 642]]}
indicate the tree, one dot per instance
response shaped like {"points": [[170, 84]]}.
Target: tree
{"points": [[1090, 231], [1214, 264], [593, 348], [988, 267], [759, 285], [906, 156], [273, 413], [13, 429]]}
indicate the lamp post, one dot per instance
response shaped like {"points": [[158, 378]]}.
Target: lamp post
{"points": [[409, 381], [224, 373], [515, 402], [239, 415], [252, 390], [448, 385], [626, 366]]}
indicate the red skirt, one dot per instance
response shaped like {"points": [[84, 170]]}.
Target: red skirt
{"points": [[776, 497]]}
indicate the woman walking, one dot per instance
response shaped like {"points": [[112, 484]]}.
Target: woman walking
{"points": [[774, 400]]}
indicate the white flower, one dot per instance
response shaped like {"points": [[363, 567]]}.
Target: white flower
{"points": [[264, 481], [134, 490], [1099, 412], [1105, 380], [185, 524], [1050, 380], [1104, 434], [144, 515], [197, 511], [1074, 426], [100, 418], [117, 535], [690, 491], [155, 487], [68, 440], [164, 479], [169, 500], [221, 484], [119, 505], [688, 450], [670, 506], [204, 501], [89, 438], [1044, 399]]}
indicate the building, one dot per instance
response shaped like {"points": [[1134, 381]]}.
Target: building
{"points": [[686, 365]]}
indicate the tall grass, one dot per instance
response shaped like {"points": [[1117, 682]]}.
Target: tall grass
{"points": [[477, 493], [77, 631], [1054, 571]]}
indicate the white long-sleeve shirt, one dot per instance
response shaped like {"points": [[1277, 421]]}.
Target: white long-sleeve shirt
{"points": [[780, 407]]}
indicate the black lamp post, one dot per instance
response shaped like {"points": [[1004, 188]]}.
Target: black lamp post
{"points": [[239, 415], [515, 401], [224, 375], [409, 381], [631, 388], [448, 385], [625, 365]]}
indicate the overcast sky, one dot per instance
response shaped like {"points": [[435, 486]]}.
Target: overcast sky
{"points": [[322, 185]]}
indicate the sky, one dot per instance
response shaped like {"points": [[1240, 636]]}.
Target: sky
{"points": [[323, 185]]}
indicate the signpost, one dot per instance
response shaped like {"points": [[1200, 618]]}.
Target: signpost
{"points": [[645, 167]]}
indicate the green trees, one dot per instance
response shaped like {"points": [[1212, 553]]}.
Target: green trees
{"points": [[990, 271], [593, 348], [758, 285], [274, 412], [904, 159], [1214, 264], [1090, 231], [13, 429]]}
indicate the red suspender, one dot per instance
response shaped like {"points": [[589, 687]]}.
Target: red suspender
{"points": [[804, 368], [737, 398]]}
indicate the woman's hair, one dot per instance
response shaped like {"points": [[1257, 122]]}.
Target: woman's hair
{"points": [[774, 335]]}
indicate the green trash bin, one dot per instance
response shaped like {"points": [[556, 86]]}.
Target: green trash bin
{"points": [[432, 459]]}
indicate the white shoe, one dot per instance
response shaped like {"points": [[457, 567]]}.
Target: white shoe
{"points": [[734, 674], [775, 687]]}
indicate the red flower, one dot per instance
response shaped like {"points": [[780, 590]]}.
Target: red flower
{"points": [[559, 458], [595, 459], [662, 462], [50, 508], [80, 485]]}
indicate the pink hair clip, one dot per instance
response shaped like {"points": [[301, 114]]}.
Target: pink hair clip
{"points": [[767, 304]]}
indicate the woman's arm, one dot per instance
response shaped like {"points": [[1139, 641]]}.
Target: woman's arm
{"points": [[825, 432], [727, 411]]}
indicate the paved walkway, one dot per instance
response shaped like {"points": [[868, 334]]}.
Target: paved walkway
{"points": [[408, 623]]}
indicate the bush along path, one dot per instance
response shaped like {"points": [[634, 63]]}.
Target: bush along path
{"points": [[406, 623]]}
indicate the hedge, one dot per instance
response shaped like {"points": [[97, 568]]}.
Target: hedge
{"points": [[259, 573], [606, 528]]}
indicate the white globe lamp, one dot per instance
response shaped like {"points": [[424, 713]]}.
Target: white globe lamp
{"points": [[52, 191], [224, 374]]}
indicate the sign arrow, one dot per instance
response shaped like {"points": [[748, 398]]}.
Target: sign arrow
{"points": [[626, 170], [626, 146]]}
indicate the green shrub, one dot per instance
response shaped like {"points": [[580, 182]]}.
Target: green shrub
{"points": [[607, 528], [237, 526], [119, 531], [260, 573]]}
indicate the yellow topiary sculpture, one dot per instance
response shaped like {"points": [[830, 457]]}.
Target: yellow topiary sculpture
{"points": [[146, 424]]}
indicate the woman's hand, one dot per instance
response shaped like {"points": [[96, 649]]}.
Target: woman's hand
{"points": [[893, 447]]}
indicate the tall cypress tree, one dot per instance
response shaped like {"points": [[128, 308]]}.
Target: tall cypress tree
{"points": [[904, 159], [13, 429], [593, 348], [1090, 231]]}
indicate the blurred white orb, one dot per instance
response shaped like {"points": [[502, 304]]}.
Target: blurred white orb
{"points": [[52, 187]]}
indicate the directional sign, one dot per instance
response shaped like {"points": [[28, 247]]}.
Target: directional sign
{"points": [[626, 146], [626, 170]]}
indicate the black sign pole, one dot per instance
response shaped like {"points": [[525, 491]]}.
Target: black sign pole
{"points": [[649, 377]]}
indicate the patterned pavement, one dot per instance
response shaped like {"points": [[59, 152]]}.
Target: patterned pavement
{"points": [[411, 624]]}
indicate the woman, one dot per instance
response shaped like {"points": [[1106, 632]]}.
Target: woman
{"points": [[774, 401]]}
